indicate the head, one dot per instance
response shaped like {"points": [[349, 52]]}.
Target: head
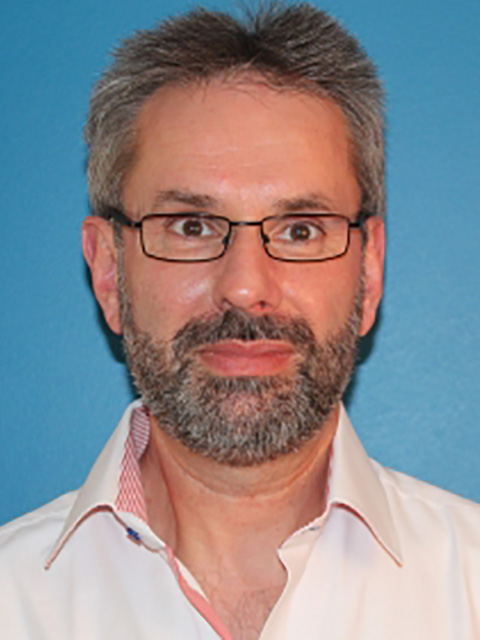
{"points": [[203, 114], [297, 47]]}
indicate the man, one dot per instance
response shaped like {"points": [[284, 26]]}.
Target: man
{"points": [[236, 176]]}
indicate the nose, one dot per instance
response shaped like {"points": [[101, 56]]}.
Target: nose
{"points": [[246, 275]]}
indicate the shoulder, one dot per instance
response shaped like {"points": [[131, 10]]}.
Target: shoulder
{"points": [[435, 516], [34, 533]]}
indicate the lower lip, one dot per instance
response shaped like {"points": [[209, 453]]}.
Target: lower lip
{"points": [[234, 360]]}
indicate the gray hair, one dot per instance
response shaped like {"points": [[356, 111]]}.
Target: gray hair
{"points": [[294, 47]]}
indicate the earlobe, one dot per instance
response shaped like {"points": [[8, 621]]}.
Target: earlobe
{"points": [[374, 253], [100, 254]]}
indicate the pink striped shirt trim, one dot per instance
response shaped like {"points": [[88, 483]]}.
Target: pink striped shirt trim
{"points": [[198, 601], [130, 497]]}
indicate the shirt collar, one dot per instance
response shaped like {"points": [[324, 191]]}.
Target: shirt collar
{"points": [[353, 484], [101, 490]]}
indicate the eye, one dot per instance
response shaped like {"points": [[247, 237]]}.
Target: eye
{"points": [[192, 226], [300, 230]]}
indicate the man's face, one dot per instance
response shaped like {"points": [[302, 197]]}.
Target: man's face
{"points": [[249, 152], [245, 152]]}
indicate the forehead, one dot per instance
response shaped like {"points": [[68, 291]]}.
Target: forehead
{"points": [[239, 136]]}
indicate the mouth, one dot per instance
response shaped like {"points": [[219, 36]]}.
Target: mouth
{"points": [[256, 358]]}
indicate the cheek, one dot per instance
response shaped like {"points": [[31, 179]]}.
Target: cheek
{"points": [[323, 294], [166, 296]]}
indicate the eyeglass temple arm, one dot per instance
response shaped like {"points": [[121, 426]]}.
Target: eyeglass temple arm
{"points": [[119, 216], [362, 217]]}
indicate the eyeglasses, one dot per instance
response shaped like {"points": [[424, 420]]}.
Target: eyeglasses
{"points": [[201, 237]]}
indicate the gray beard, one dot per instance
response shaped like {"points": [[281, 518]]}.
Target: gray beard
{"points": [[241, 421]]}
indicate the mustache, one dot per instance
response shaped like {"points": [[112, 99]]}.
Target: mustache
{"points": [[235, 324]]}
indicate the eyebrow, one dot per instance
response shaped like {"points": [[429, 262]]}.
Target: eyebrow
{"points": [[315, 201], [309, 202], [184, 196]]}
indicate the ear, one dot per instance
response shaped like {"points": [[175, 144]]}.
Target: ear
{"points": [[100, 254], [374, 253]]}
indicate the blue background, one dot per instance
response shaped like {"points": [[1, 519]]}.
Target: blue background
{"points": [[62, 391]]}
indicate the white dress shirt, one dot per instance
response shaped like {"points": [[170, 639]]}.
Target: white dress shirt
{"points": [[391, 558]]}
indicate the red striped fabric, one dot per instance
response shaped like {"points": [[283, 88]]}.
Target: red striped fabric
{"points": [[130, 497]]}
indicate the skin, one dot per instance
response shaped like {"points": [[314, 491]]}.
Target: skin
{"points": [[250, 152]]}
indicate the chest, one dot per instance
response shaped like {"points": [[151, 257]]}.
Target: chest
{"points": [[103, 585], [245, 613]]}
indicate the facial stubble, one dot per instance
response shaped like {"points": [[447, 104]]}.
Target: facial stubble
{"points": [[244, 420]]}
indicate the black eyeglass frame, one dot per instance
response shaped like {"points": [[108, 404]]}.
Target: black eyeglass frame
{"points": [[118, 216]]}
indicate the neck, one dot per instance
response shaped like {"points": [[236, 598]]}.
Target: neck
{"points": [[195, 504]]}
